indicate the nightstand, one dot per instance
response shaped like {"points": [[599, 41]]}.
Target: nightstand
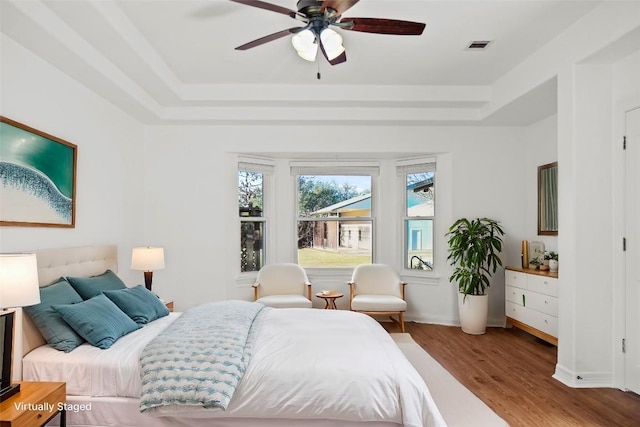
{"points": [[36, 404], [169, 305]]}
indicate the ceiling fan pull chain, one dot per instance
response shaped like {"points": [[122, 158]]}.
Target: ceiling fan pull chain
{"points": [[318, 75]]}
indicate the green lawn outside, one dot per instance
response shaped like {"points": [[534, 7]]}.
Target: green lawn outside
{"points": [[312, 258]]}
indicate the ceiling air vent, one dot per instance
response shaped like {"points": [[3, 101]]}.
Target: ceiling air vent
{"points": [[478, 44]]}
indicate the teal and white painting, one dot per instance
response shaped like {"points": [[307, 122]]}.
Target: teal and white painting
{"points": [[37, 177]]}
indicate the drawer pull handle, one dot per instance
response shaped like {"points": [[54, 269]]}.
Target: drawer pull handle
{"points": [[545, 321], [545, 301]]}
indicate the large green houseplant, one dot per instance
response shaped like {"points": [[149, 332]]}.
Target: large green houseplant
{"points": [[474, 248]]}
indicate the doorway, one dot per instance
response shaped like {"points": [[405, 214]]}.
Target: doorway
{"points": [[632, 253]]}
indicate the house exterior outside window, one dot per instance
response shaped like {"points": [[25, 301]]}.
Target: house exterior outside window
{"points": [[334, 216], [417, 180]]}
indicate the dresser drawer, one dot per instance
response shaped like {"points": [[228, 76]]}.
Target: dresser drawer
{"points": [[514, 295], [543, 303], [543, 285], [518, 312], [515, 279], [544, 322]]}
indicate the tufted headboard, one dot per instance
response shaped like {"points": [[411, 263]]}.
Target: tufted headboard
{"points": [[82, 261]]}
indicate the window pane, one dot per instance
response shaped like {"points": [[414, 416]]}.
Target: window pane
{"points": [[420, 194], [251, 246], [250, 193], [334, 195], [334, 244], [419, 238]]}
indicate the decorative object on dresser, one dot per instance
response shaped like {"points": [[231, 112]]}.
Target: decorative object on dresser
{"points": [[524, 254], [38, 172], [536, 254], [474, 246], [531, 302], [18, 288], [35, 405], [147, 259], [553, 261]]}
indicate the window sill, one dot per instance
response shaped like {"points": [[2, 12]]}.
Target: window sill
{"points": [[431, 278]]}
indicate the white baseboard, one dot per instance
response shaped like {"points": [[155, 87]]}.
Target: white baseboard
{"points": [[583, 379], [447, 321]]}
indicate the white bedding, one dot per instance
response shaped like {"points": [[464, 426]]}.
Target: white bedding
{"points": [[344, 366], [90, 371]]}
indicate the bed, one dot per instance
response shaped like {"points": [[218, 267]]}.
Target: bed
{"points": [[307, 366]]}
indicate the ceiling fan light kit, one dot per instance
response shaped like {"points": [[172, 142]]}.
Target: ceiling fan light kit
{"points": [[305, 44], [318, 15]]}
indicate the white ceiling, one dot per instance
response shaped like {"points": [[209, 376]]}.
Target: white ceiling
{"points": [[173, 61]]}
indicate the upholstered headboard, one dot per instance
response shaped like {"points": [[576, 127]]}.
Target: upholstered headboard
{"points": [[82, 261]]}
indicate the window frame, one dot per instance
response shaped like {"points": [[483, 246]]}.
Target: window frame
{"points": [[371, 169], [409, 167]]}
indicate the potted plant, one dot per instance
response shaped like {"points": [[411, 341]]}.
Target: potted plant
{"points": [[553, 261], [474, 247]]}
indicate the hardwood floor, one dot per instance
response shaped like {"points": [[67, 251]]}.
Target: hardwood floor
{"points": [[511, 372]]}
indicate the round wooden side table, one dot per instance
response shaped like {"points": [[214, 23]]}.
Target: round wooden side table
{"points": [[330, 300]]}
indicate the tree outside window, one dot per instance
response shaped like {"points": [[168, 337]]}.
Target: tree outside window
{"points": [[252, 222]]}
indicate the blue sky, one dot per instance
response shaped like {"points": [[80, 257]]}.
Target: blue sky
{"points": [[361, 182]]}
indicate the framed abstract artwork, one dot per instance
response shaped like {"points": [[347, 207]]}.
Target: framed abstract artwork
{"points": [[37, 177]]}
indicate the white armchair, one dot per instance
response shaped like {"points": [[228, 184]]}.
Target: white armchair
{"points": [[282, 285], [377, 290]]}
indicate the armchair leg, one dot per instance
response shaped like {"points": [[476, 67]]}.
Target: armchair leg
{"points": [[401, 317]]}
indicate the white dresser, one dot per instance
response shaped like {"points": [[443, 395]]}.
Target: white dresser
{"points": [[531, 302]]}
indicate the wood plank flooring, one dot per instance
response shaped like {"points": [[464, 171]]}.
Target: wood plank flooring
{"points": [[511, 370]]}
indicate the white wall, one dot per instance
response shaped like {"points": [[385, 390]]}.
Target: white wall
{"points": [[191, 196], [626, 96], [541, 140], [593, 98], [109, 186]]}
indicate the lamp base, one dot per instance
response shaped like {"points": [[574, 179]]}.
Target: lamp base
{"points": [[148, 277], [9, 391]]}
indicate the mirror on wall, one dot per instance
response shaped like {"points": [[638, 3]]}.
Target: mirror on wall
{"points": [[548, 199]]}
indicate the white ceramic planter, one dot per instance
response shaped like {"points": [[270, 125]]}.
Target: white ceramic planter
{"points": [[473, 310], [553, 265]]}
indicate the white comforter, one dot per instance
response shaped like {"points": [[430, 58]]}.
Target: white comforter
{"points": [[307, 364]]}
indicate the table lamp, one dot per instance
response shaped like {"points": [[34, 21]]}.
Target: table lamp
{"points": [[18, 288], [147, 259]]}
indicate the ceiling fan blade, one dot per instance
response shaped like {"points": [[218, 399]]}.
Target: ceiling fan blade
{"points": [[268, 6], [335, 61], [339, 59], [340, 6], [382, 26], [269, 38]]}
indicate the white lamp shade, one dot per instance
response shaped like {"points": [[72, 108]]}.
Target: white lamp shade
{"points": [[18, 280], [147, 258], [305, 44], [332, 43]]}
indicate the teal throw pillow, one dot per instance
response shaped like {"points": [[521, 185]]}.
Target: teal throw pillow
{"points": [[98, 320], [140, 304], [89, 287], [56, 332]]}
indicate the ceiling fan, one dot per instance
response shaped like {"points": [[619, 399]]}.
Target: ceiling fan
{"points": [[319, 15]]}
